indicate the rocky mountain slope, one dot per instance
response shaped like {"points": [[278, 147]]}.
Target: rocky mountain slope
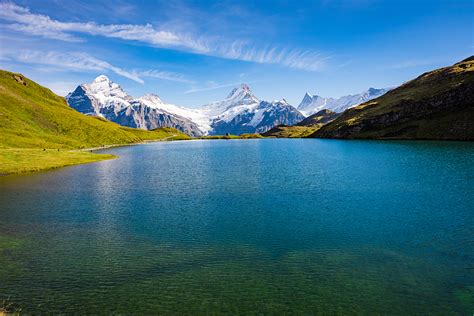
{"points": [[315, 103], [107, 99], [32, 116], [241, 112], [437, 105], [304, 128], [38, 130]]}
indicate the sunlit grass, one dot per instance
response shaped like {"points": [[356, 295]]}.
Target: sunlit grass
{"points": [[35, 123]]}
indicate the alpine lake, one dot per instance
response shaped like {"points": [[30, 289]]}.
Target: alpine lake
{"points": [[258, 226]]}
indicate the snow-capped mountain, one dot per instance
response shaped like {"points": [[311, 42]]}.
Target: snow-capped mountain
{"points": [[315, 103], [241, 112], [107, 99]]}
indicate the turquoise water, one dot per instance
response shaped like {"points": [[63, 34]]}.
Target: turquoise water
{"points": [[245, 227]]}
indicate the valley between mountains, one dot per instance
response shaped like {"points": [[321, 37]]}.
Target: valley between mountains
{"points": [[40, 130]]}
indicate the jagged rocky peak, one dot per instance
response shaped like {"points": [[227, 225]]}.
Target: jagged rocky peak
{"points": [[241, 112], [307, 97], [101, 78], [281, 102], [104, 86], [242, 93], [104, 98], [314, 103], [239, 90], [307, 100], [152, 98]]}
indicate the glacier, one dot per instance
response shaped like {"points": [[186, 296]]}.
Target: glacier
{"points": [[240, 112]]}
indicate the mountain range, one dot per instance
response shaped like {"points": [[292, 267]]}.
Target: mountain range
{"points": [[312, 104], [438, 104], [39, 131], [240, 112]]}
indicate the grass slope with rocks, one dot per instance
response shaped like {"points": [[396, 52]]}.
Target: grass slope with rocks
{"points": [[437, 105]]}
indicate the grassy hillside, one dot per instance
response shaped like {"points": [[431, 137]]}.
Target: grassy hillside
{"points": [[33, 118], [285, 131], [437, 105], [304, 128], [241, 136]]}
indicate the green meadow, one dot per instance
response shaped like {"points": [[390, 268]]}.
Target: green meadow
{"points": [[39, 131]]}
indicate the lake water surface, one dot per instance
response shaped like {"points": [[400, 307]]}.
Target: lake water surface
{"points": [[245, 226]]}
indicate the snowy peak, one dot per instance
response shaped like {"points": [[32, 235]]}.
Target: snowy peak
{"points": [[101, 78], [283, 101], [239, 90], [151, 99], [239, 99], [312, 104], [102, 87], [241, 112], [104, 98], [280, 102], [242, 94], [307, 101]]}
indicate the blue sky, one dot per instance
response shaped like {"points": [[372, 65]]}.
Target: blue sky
{"points": [[193, 52]]}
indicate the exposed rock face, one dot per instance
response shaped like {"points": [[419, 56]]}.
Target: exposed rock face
{"points": [[105, 98], [258, 119], [241, 112], [436, 105]]}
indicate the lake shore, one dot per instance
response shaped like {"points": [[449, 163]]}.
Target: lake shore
{"points": [[27, 160]]}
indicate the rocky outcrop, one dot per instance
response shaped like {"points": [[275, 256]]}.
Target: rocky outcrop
{"points": [[436, 105], [107, 99]]}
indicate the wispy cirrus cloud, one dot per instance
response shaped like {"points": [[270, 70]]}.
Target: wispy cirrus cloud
{"points": [[42, 25], [165, 75], [76, 61], [293, 58], [21, 19], [79, 61], [211, 85]]}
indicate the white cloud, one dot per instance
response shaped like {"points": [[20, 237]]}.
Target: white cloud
{"points": [[23, 20], [165, 75], [69, 61], [293, 58], [211, 85]]}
